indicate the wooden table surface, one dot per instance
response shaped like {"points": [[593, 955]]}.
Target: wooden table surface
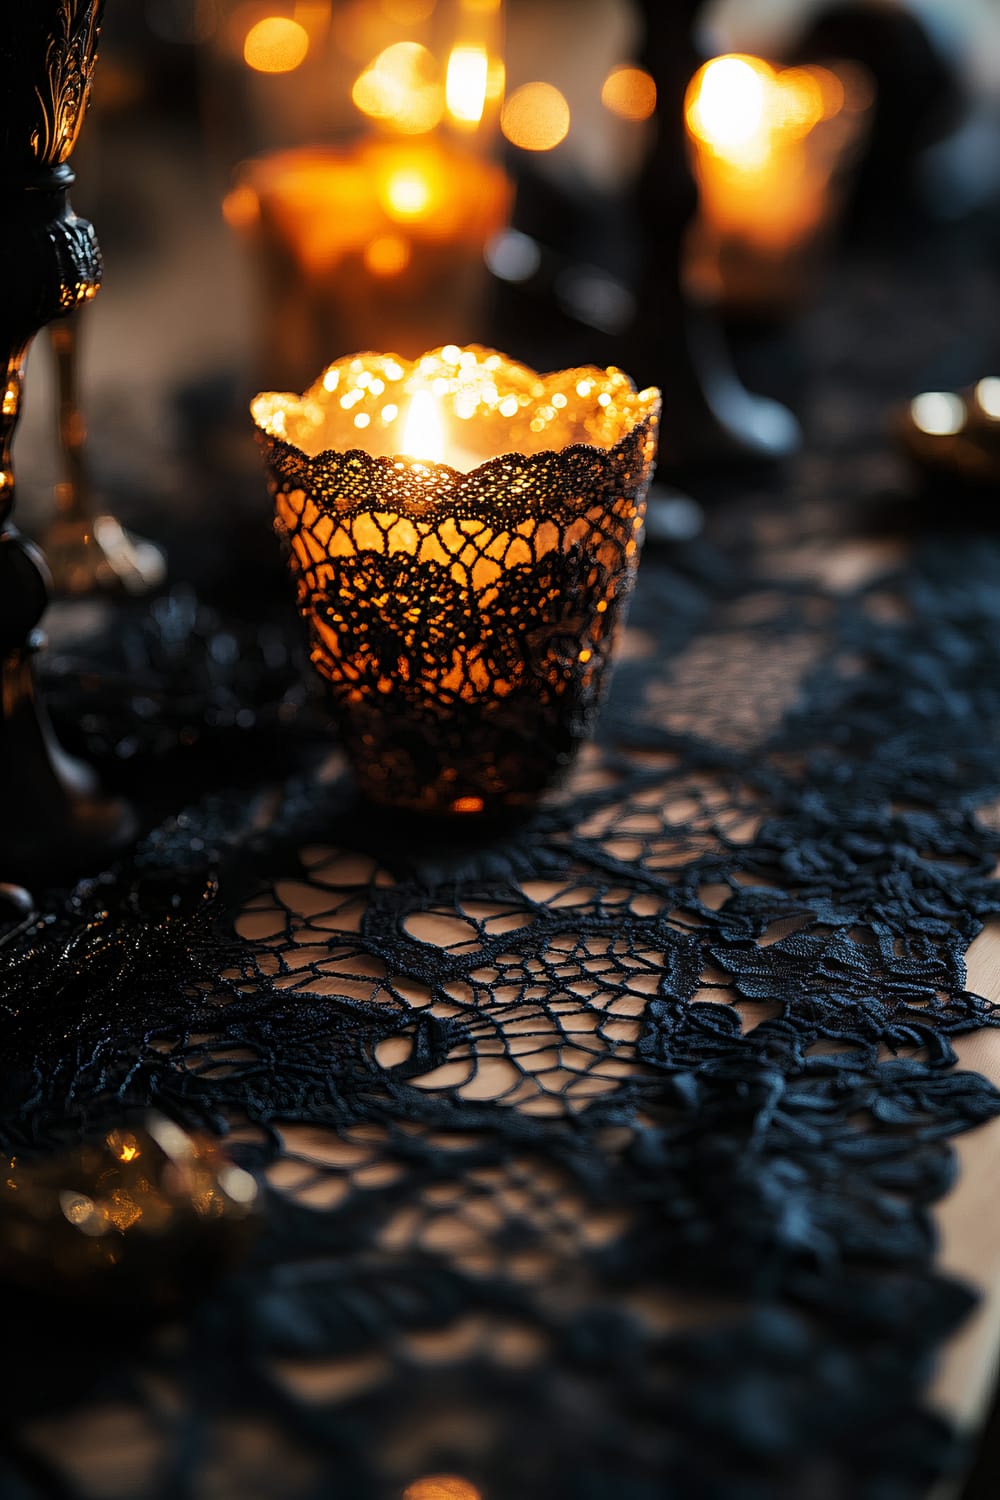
{"points": [[969, 1217]]}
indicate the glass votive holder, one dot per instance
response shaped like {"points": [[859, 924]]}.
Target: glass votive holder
{"points": [[464, 535], [772, 148], [363, 246], [361, 148]]}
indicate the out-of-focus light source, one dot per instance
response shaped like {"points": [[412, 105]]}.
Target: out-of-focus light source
{"points": [[423, 436], [275, 45], [737, 105], [466, 84], [402, 88], [535, 117], [988, 396], [241, 208], [406, 193], [799, 99], [727, 101], [441, 1487], [388, 255], [629, 92], [513, 256], [496, 79], [938, 413]]}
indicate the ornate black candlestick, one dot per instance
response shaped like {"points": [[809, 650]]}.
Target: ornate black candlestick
{"points": [[51, 819]]}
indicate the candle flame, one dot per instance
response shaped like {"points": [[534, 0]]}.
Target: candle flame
{"points": [[466, 84], [730, 101], [738, 105], [407, 193], [423, 430]]}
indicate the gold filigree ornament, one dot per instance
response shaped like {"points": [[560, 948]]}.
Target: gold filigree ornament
{"points": [[464, 536], [70, 60]]}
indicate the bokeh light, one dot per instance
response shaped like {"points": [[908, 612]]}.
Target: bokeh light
{"points": [[401, 87], [277, 44], [466, 84], [629, 93], [727, 101], [535, 117], [938, 413], [988, 396]]}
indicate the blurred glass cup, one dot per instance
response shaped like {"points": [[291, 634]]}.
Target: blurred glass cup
{"points": [[365, 189], [772, 149]]}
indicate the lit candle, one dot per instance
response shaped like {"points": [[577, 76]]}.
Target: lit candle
{"points": [[767, 144], [377, 245], [464, 535]]}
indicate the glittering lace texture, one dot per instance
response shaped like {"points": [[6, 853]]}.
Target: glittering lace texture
{"points": [[464, 622]]}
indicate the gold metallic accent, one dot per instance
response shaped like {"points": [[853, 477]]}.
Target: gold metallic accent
{"points": [[70, 60]]}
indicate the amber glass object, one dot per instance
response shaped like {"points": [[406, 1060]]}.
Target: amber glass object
{"points": [[772, 150], [464, 536], [361, 149], [138, 1217]]}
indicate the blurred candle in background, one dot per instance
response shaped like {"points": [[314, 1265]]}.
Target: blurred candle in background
{"points": [[770, 148], [369, 190], [374, 245]]}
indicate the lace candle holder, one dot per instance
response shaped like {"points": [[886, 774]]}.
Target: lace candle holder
{"points": [[463, 575]]}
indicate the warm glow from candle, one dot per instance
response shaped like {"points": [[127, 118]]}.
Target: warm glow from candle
{"points": [[380, 243], [496, 79], [764, 169], [739, 106], [423, 430], [388, 255], [463, 534], [466, 84], [444, 1486], [402, 88], [407, 193], [535, 117], [275, 45], [729, 102]]}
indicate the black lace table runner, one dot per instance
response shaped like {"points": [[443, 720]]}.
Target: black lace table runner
{"points": [[599, 1148]]}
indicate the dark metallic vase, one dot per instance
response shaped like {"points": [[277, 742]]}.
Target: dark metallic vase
{"points": [[52, 820]]}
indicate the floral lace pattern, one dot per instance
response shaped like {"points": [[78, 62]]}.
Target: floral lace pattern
{"points": [[599, 1151]]}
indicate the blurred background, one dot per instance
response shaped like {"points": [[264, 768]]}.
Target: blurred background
{"points": [[277, 183]]}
